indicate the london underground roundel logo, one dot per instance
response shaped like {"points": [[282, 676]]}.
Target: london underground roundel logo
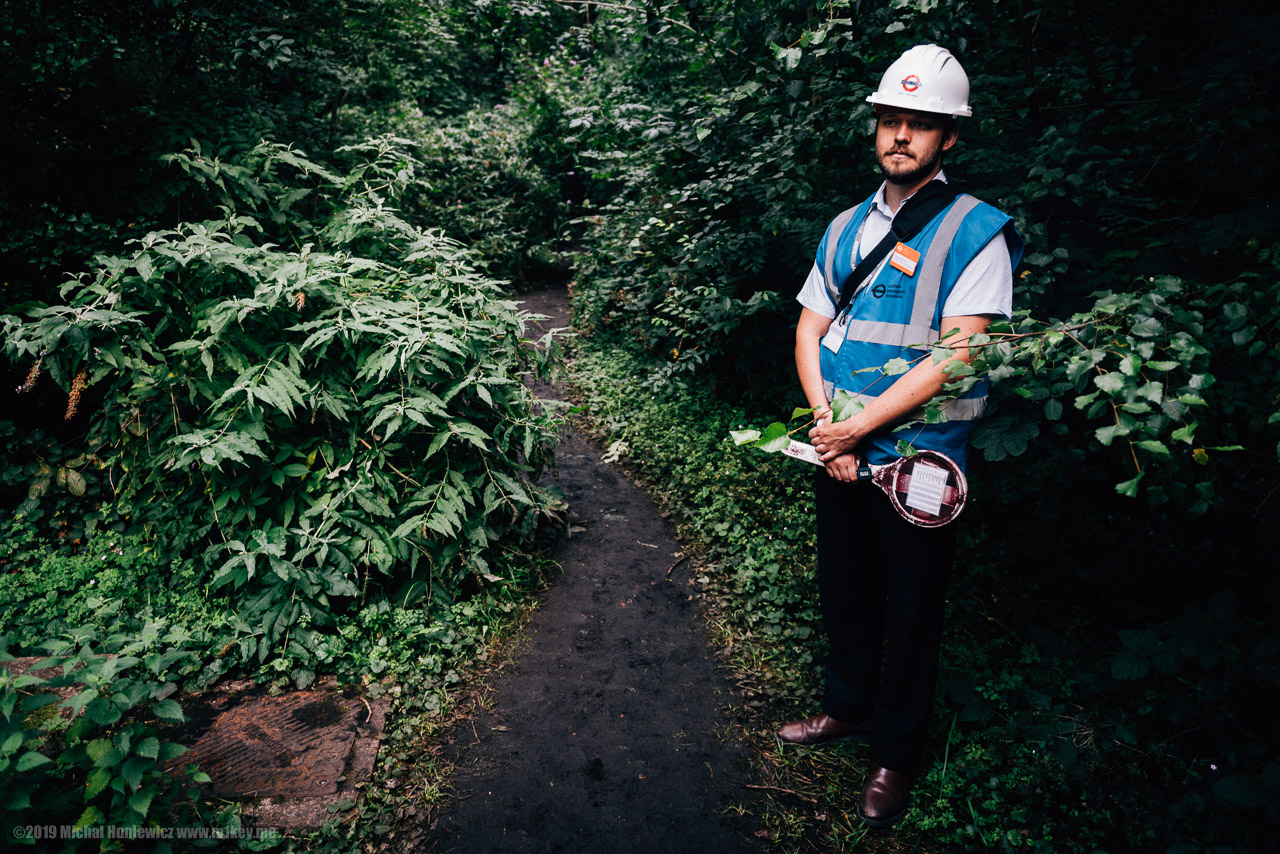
{"points": [[911, 83]]}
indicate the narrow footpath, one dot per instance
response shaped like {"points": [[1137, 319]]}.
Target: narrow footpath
{"points": [[610, 732]]}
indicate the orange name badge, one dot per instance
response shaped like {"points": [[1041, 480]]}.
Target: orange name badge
{"points": [[904, 258]]}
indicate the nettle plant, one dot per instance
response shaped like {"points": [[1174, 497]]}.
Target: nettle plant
{"points": [[83, 732], [305, 421]]}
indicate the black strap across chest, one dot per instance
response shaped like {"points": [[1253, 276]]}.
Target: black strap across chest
{"points": [[915, 213]]}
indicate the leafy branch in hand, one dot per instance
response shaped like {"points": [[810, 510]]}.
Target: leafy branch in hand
{"points": [[1130, 362]]}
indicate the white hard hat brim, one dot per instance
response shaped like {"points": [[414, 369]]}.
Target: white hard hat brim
{"points": [[920, 105]]}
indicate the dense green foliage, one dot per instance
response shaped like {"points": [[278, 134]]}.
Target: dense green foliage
{"points": [[82, 744], [96, 94], [1051, 731], [304, 421], [254, 251], [261, 396], [1142, 364], [713, 175], [54, 592]]}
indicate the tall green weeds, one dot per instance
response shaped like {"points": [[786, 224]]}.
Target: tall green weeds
{"points": [[306, 422]]}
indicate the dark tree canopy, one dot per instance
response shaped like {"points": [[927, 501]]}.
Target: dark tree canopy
{"points": [[192, 191]]}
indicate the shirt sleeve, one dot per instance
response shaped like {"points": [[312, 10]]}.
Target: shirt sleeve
{"points": [[813, 294], [985, 286]]}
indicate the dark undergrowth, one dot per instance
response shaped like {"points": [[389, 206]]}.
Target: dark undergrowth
{"points": [[1067, 718]]}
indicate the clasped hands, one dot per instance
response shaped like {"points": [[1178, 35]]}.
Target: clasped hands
{"points": [[835, 442]]}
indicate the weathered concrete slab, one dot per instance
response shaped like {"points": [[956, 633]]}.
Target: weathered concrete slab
{"points": [[290, 757]]}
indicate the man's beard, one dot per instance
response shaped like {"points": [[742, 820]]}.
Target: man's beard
{"points": [[914, 174]]}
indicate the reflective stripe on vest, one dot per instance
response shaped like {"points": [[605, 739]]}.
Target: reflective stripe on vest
{"points": [[828, 269], [876, 330], [921, 330]]}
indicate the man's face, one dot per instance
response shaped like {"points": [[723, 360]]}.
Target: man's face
{"points": [[909, 145]]}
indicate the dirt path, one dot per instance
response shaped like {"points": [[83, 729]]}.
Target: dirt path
{"points": [[610, 733]]}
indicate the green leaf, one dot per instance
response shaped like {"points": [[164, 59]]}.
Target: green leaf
{"points": [[471, 433], [169, 710], [774, 439], [1111, 383], [1245, 335], [109, 759], [79, 701], [91, 816], [303, 676], [29, 760], [148, 747], [1148, 327], [1003, 436], [742, 437], [1152, 446], [1083, 401], [844, 405], [1107, 435], [894, 367], [102, 711], [170, 750], [140, 801], [133, 769], [1129, 665], [98, 748], [1185, 434], [1130, 487], [76, 484], [99, 779]]}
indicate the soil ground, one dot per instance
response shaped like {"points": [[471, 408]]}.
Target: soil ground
{"points": [[611, 731]]}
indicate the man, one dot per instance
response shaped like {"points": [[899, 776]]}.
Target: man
{"points": [[882, 581]]}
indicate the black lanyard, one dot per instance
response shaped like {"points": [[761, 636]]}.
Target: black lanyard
{"points": [[915, 213]]}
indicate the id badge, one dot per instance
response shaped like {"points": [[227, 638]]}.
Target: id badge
{"points": [[904, 258]]}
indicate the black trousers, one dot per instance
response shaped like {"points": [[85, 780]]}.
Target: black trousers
{"points": [[882, 583]]}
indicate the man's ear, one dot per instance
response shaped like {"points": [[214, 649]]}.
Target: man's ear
{"points": [[953, 134]]}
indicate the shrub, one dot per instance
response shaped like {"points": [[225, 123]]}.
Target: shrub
{"points": [[303, 422]]}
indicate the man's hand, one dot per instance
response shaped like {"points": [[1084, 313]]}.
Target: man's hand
{"points": [[835, 443], [833, 438], [844, 468]]}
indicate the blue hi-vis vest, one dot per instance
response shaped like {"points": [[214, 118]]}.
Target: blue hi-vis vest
{"points": [[893, 314]]}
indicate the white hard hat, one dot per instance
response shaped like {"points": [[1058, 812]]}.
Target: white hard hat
{"points": [[926, 79]]}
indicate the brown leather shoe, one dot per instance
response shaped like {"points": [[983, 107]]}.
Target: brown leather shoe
{"points": [[885, 797], [821, 729]]}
